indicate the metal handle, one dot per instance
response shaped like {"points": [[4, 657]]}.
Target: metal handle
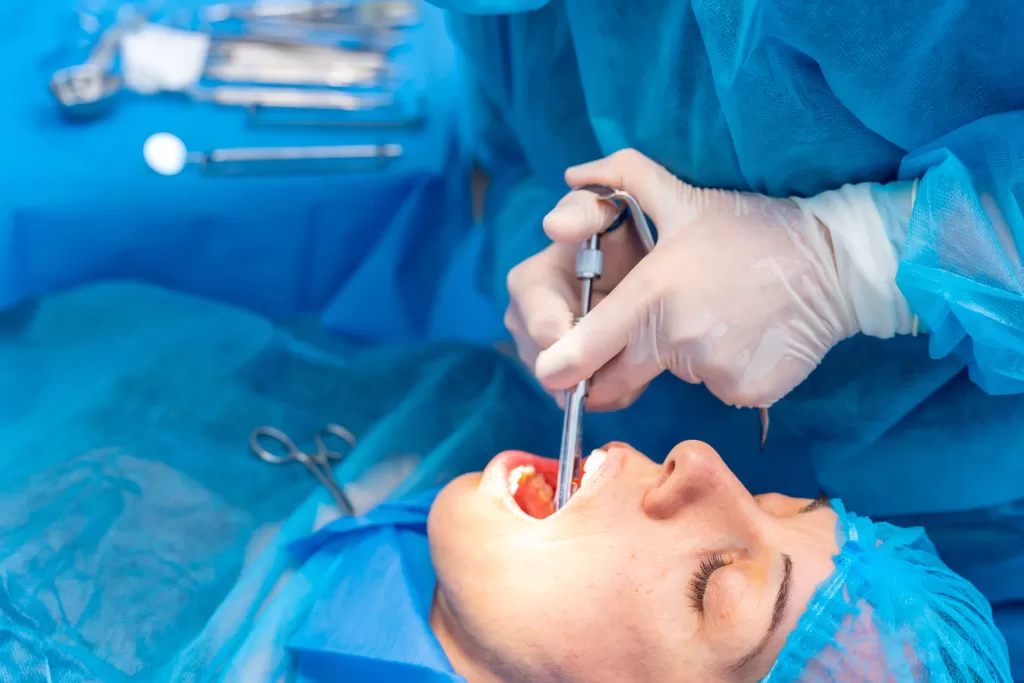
{"points": [[589, 267], [338, 432], [334, 76], [291, 451], [240, 154], [326, 478], [292, 98], [640, 224]]}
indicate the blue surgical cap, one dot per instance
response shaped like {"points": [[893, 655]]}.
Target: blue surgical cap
{"points": [[892, 611]]}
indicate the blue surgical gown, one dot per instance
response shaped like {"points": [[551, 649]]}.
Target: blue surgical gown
{"points": [[795, 97]]}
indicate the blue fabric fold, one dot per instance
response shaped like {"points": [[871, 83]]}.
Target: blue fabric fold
{"points": [[371, 622]]}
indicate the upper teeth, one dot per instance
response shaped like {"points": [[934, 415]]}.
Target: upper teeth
{"points": [[593, 464], [518, 475]]}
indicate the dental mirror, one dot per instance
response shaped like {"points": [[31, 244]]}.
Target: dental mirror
{"points": [[165, 153]]}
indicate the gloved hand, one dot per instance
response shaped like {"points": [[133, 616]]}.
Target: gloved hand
{"points": [[544, 294], [744, 293]]}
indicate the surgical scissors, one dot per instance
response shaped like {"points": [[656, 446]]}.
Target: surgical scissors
{"points": [[589, 267], [318, 463]]}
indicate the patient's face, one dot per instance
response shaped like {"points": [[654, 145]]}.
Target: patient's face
{"points": [[652, 572]]}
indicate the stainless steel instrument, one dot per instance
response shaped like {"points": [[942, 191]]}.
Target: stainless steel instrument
{"points": [[319, 462], [589, 267], [167, 155]]}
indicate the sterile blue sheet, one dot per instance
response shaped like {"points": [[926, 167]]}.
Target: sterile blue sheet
{"points": [[139, 537], [78, 204], [371, 621]]}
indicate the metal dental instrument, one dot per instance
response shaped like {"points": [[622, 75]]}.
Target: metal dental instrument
{"points": [[335, 76], [263, 50], [167, 155], [290, 98], [88, 89], [318, 463], [388, 13], [281, 62], [277, 67], [589, 267]]}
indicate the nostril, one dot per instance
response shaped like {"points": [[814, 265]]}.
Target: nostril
{"points": [[670, 466]]}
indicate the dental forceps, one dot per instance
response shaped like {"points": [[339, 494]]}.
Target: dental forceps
{"points": [[318, 463], [589, 267]]}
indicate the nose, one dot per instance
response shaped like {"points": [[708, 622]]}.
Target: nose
{"points": [[695, 481]]}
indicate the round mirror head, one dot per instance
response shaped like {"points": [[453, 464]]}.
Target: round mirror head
{"points": [[165, 153]]}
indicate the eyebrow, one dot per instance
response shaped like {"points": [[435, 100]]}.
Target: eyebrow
{"points": [[781, 602]]}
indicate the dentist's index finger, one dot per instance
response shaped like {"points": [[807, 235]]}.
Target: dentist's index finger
{"points": [[578, 216], [600, 335], [651, 184]]}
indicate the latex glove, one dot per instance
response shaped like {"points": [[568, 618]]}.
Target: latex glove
{"points": [[544, 294], [743, 292]]}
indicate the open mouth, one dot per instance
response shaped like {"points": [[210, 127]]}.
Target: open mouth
{"points": [[532, 482]]}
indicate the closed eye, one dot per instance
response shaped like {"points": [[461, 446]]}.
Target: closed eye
{"points": [[699, 582], [822, 501]]}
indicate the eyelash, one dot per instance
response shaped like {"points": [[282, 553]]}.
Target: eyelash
{"points": [[822, 501], [709, 565], [699, 582]]}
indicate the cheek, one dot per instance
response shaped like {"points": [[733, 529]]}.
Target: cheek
{"points": [[596, 638]]}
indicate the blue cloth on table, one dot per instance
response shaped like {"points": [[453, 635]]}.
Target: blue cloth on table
{"points": [[78, 203], [139, 538]]}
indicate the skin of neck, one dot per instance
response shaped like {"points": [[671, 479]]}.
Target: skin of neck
{"points": [[453, 641]]}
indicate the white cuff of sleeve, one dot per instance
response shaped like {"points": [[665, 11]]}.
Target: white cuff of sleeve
{"points": [[868, 223]]}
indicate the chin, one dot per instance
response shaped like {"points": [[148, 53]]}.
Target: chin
{"points": [[451, 508]]}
